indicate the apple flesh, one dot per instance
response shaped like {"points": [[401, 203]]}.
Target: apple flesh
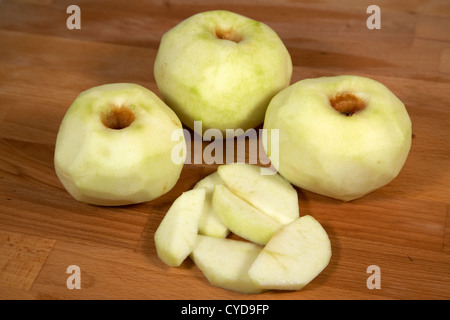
{"points": [[293, 257], [114, 146], [225, 262], [342, 137], [177, 232], [210, 223], [242, 218], [270, 193], [221, 68], [295, 251]]}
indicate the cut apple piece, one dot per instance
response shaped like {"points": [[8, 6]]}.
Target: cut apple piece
{"points": [[177, 233], [225, 262], [242, 218], [210, 223], [268, 192], [294, 256]]}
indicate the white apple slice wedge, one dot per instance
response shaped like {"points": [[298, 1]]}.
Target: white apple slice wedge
{"points": [[177, 233], [294, 256], [225, 262], [242, 218], [268, 192], [210, 223]]}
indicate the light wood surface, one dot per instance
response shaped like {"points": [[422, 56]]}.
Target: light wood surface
{"points": [[404, 227]]}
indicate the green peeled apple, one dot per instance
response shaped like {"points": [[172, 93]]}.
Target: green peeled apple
{"points": [[342, 137], [222, 69], [114, 146]]}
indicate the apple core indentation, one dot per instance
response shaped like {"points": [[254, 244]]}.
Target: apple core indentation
{"points": [[228, 34], [347, 103], [118, 117]]}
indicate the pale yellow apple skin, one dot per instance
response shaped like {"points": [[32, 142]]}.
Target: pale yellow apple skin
{"points": [[224, 84], [329, 153], [111, 167]]}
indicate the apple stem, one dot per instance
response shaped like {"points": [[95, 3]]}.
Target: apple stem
{"points": [[228, 34], [347, 103], [118, 117]]}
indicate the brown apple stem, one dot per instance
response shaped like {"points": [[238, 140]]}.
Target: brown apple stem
{"points": [[228, 34], [347, 103], [118, 117]]}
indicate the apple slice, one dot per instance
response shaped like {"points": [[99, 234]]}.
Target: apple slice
{"points": [[210, 223], [177, 233], [225, 262], [242, 218], [270, 193], [294, 256]]}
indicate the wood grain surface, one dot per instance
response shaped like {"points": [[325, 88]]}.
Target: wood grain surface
{"points": [[403, 228]]}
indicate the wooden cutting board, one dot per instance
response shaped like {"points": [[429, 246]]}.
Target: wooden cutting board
{"points": [[403, 228]]}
